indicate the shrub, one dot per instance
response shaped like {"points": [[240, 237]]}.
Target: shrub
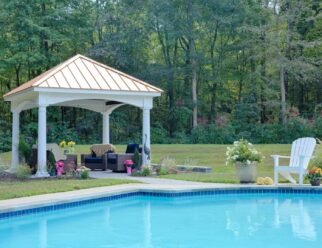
{"points": [[167, 166], [3, 167], [146, 171], [84, 174], [159, 135], [23, 171], [296, 128], [136, 159], [24, 150], [163, 170], [167, 162]]}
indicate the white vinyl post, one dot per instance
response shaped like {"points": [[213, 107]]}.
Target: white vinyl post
{"points": [[15, 141], [106, 127], [42, 143], [146, 135]]}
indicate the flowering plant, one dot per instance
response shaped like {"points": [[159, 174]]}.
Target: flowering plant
{"points": [[83, 172], [70, 146], [60, 167], [62, 144], [314, 174], [244, 152]]}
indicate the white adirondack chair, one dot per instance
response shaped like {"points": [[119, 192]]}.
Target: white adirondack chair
{"points": [[302, 151]]}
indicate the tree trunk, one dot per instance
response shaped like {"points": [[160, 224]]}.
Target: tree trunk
{"points": [[17, 70], [283, 101], [214, 82], [194, 86], [281, 68], [193, 58]]}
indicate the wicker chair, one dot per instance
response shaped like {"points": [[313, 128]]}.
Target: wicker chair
{"points": [[52, 148], [115, 161]]}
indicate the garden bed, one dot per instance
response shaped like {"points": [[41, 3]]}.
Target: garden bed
{"points": [[13, 187]]}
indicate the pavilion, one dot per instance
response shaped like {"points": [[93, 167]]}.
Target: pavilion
{"points": [[83, 83]]}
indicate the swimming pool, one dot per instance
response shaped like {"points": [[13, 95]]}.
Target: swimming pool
{"points": [[172, 220]]}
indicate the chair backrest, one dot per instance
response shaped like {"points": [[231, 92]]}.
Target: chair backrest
{"points": [[100, 149], [302, 146], [132, 147], [55, 149]]}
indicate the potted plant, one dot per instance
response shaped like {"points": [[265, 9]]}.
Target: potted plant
{"points": [[314, 175], [128, 165], [245, 157], [63, 145], [71, 146]]}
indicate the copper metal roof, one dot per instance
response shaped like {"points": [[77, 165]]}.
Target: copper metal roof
{"points": [[80, 72]]}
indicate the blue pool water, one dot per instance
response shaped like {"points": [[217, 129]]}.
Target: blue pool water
{"points": [[236, 220]]}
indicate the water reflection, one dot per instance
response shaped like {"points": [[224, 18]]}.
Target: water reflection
{"points": [[295, 212], [288, 215]]}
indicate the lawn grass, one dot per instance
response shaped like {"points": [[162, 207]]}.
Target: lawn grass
{"points": [[213, 156], [16, 189]]}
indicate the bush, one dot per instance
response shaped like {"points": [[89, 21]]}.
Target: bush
{"points": [[144, 172], [24, 150], [23, 171], [167, 166], [84, 174], [163, 170], [159, 135], [3, 167], [136, 160]]}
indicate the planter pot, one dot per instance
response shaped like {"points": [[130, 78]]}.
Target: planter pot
{"points": [[246, 173], [129, 170], [315, 182]]}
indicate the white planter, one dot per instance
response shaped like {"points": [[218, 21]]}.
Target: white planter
{"points": [[246, 173]]}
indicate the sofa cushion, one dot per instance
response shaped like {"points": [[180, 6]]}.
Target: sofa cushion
{"points": [[112, 155], [93, 160], [111, 160], [132, 147]]}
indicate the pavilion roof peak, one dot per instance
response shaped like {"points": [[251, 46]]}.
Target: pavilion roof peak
{"points": [[80, 72]]}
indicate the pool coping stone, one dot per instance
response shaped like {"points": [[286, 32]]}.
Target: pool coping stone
{"points": [[46, 200]]}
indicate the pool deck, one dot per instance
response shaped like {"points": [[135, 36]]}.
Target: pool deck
{"points": [[99, 192]]}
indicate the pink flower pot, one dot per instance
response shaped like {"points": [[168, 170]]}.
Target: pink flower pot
{"points": [[129, 170]]}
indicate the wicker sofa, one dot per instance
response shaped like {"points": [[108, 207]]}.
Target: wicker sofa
{"points": [[97, 159]]}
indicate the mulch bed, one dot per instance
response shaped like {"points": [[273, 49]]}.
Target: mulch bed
{"points": [[8, 177]]}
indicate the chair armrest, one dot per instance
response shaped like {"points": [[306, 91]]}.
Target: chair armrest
{"points": [[122, 157], [276, 159], [72, 158], [104, 159], [83, 156], [280, 156]]}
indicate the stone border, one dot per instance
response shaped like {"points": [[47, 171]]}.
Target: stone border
{"points": [[48, 202]]}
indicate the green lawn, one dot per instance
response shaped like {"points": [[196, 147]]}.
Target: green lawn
{"points": [[10, 190], [208, 155], [214, 156]]}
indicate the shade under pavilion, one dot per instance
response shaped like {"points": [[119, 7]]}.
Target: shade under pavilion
{"points": [[84, 83]]}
